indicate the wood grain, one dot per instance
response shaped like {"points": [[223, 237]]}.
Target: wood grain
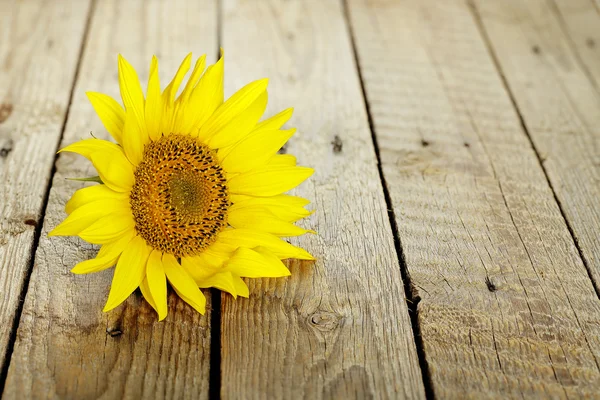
{"points": [[66, 347], [560, 105], [507, 308], [37, 69], [337, 328], [580, 21]]}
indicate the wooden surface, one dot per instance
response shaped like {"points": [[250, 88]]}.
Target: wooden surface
{"points": [[66, 347], [327, 330], [555, 85], [38, 61], [456, 147], [507, 308]]}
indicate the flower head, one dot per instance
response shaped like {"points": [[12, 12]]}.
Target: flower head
{"points": [[192, 192]]}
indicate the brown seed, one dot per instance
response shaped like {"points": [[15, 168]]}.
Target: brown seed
{"points": [[173, 197]]}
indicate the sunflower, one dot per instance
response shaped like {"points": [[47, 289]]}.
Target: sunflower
{"points": [[192, 192]]}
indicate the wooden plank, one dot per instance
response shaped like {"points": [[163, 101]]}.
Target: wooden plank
{"points": [[581, 24], [38, 58], [556, 87], [337, 328], [66, 346], [507, 308]]}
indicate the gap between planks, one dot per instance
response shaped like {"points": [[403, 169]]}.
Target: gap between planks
{"points": [[214, 371], [38, 229], [412, 297], [494, 57]]}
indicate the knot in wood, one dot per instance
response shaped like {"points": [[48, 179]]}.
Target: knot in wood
{"points": [[324, 320], [114, 331]]}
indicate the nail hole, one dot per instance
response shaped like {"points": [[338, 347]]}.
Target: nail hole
{"points": [[6, 148], [424, 143], [536, 49], [490, 285], [467, 144], [31, 222], [337, 144]]}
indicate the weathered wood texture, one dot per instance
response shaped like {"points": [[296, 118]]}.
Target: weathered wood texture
{"points": [[580, 20], [507, 308], [560, 106], [66, 347], [37, 65], [337, 328]]}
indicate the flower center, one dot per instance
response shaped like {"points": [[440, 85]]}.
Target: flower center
{"points": [[179, 199]]}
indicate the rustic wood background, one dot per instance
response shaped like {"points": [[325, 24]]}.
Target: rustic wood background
{"points": [[457, 154]]}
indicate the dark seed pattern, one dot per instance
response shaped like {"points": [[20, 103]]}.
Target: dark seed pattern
{"points": [[179, 199]]}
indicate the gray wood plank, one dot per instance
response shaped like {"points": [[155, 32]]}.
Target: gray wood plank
{"points": [[580, 20], [555, 84], [66, 347], [337, 328], [38, 59], [507, 307]]}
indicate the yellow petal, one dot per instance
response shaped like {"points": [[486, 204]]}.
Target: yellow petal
{"points": [[154, 104], [110, 113], [237, 116], [201, 267], [220, 280], [259, 263], [183, 284], [268, 181], [131, 91], [93, 193], [276, 121], [197, 271], [193, 80], [114, 169], [263, 220], [250, 238], [145, 289], [108, 228], [207, 96], [240, 125], [134, 139], [87, 215], [282, 160], [255, 150], [240, 286], [88, 146], [129, 273], [285, 207], [107, 256], [171, 90], [285, 200], [170, 109], [94, 265], [186, 115], [157, 283]]}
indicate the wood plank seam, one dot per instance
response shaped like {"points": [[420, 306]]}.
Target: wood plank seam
{"points": [[412, 297], [39, 224], [214, 373], [494, 57]]}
